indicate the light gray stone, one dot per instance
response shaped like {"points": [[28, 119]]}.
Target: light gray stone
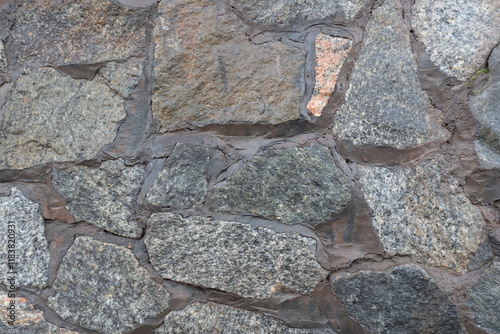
{"points": [[105, 196], [385, 104], [101, 287], [122, 77], [232, 256]]}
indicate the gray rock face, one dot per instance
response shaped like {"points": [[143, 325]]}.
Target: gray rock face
{"points": [[183, 181], [103, 196], [457, 34], [231, 256], [78, 32], [24, 248], [3, 64], [403, 301], [423, 212], [293, 185], [122, 77], [214, 318], [385, 104], [208, 72], [101, 286]]}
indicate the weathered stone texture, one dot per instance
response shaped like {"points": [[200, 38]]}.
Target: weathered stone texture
{"points": [[457, 34], [423, 212], [183, 181], [122, 77], [3, 64], [31, 247], [104, 196], [293, 185], [101, 286], [214, 318], [403, 301], [385, 104], [232, 256], [208, 72]]}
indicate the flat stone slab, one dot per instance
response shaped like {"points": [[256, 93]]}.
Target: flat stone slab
{"points": [[385, 104], [405, 300], [209, 72], [101, 287], [293, 185], [25, 251], [231, 256], [423, 212], [105, 196]]}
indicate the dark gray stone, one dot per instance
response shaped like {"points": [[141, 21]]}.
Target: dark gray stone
{"points": [[484, 300]]}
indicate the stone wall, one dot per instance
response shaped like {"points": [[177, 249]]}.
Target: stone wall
{"points": [[250, 166]]}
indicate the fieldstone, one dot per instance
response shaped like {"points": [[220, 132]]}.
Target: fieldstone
{"points": [[484, 300], [78, 32], [3, 64], [101, 287], [232, 256], [26, 243], [209, 72], [385, 104], [122, 77], [183, 181], [293, 185], [457, 34], [404, 300], [199, 318], [103, 196], [423, 212]]}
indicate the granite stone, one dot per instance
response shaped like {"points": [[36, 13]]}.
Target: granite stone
{"points": [[208, 71], [293, 185], [403, 301], [231, 256], [104, 196], [385, 104], [122, 77], [3, 64], [31, 249], [101, 287]]}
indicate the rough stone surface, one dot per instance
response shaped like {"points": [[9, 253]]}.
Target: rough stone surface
{"points": [[423, 212], [385, 104], [51, 117], [214, 318], [484, 300], [3, 64], [101, 286], [404, 300], [103, 196], [293, 185], [331, 53], [31, 247], [457, 34], [122, 77], [78, 32], [208, 72], [183, 181], [232, 256]]}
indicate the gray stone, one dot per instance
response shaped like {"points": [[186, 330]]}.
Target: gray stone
{"points": [[484, 300], [423, 212], [3, 64], [214, 318], [209, 72], [105, 196], [78, 32], [28, 242], [122, 77], [385, 104], [403, 301], [232, 256], [457, 34], [101, 286], [293, 185]]}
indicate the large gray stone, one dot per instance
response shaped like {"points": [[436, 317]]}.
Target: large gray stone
{"points": [[24, 250], [293, 185], [457, 34], [232, 256], [101, 286], [403, 301], [385, 104], [423, 212], [105, 196], [208, 71]]}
